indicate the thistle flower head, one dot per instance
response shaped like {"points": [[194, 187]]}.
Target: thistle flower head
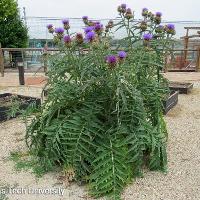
{"points": [[89, 29], [158, 14], [123, 6], [143, 25], [147, 37], [85, 18], [79, 38], [49, 26], [90, 36], [59, 30], [170, 29], [159, 29], [145, 12], [171, 26], [98, 28], [111, 60], [122, 55], [67, 39], [65, 21], [110, 23], [90, 23], [129, 13]]}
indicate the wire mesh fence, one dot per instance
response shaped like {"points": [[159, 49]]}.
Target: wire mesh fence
{"points": [[37, 26], [34, 60]]}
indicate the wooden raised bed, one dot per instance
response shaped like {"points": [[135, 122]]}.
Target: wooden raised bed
{"points": [[7, 100], [182, 70], [170, 102], [183, 88]]}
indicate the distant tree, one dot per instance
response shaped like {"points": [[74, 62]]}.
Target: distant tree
{"points": [[7, 8], [13, 33]]}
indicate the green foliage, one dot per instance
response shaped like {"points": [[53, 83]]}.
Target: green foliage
{"points": [[7, 8], [103, 120], [13, 33], [24, 161]]}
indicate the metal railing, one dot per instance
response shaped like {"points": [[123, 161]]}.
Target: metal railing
{"points": [[36, 59]]}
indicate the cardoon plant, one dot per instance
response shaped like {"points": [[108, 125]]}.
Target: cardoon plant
{"points": [[102, 120]]}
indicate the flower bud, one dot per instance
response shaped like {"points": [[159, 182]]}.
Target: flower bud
{"points": [[59, 32], [128, 14], [145, 12], [143, 26], [79, 38], [111, 60], [50, 28]]}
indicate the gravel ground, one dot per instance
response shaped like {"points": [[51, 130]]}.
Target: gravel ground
{"points": [[182, 182]]}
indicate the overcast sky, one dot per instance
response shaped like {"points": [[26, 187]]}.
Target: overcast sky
{"points": [[171, 9]]}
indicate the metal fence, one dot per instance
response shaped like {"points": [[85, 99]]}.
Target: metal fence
{"points": [[36, 59], [37, 26]]}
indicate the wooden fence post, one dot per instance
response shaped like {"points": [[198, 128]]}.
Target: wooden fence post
{"points": [[20, 65], [45, 58], [1, 62]]}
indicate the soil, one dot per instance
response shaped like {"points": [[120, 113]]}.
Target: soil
{"points": [[9, 100]]}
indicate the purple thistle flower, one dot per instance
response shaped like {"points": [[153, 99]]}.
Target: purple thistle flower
{"points": [[88, 29], [90, 36], [147, 36], [65, 21], [122, 54], [145, 10], [111, 60], [59, 30], [85, 18], [95, 23], [129, 11], [49, 26], [170, 29], [67, 39], [158, 14], [98, 27], [171, 26], [123, 6]]}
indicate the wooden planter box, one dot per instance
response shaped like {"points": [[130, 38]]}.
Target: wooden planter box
{"points": [[6, 103], [182, 70], [170, 102], [183, 88]]}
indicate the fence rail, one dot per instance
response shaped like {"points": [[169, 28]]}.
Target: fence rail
{"points": [[34, 59]]}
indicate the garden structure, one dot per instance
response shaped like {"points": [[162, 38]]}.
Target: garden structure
{"points": [[188, 60]]}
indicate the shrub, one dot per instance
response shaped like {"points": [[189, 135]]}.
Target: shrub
{"points": [[13, 33], [102, 120]]}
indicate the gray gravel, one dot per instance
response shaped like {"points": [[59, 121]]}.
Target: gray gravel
{"points": [[182, 182]]}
